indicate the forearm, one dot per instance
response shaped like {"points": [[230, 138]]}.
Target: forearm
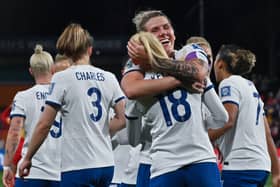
{"points": [[12, 142], [275, 169], [141, 88], [13, 139], [118, 120], [194, 70], [116, 124], [232, 110], [214, 134]]}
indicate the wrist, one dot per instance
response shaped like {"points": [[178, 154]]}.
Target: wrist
{"points": [[7, 168]]}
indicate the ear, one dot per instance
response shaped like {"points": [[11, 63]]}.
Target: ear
{"points": [[89, 51], [30, 71], [220, 64], [53, 68]]}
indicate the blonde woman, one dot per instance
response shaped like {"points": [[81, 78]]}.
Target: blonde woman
{"points": [[26, 110], [84, 94], [180, 147]]}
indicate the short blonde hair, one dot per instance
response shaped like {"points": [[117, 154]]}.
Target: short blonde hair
{"points": [[60, 57], [61, 62], [198, 40], [41, 61], [142, 17]]}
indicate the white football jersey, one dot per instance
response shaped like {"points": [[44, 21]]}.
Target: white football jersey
{"points": [[126, 164], [46, 162], [179, 136], [136, 122], [213, 112], [244, 146], [85, 95]]}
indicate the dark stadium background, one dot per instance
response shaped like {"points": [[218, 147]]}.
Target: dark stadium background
{"points": [[251, 24]]}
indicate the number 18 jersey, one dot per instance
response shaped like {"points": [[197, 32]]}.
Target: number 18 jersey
{"points": [[179, 136]]}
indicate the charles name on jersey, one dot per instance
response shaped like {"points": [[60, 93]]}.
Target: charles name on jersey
{"points": [[90, 76]]}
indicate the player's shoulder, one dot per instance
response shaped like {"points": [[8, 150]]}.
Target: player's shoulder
{"points": [[232, 81], [29, 91], [130, 66], [102, 72]]}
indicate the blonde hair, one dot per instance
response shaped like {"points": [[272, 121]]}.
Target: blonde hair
{"points": [[152, 46], [199, 40], [41, 61], [159, 61], [202, 42], [239, 61], [61, 63], [60, 57], [142, 17], [74, 41]]}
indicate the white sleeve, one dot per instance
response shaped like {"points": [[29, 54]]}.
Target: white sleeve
{"points": [[219, 115], [229, 93], [133, 122], [56, 91], [115, 87], [130, 66], [18, 106]]}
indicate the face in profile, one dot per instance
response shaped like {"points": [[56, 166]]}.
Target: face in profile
{"points": [[217, 69]]}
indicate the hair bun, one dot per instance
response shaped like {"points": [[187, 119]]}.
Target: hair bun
{"points": [[38, 49]]}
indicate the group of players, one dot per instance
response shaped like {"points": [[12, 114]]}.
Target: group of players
{"points": [[165, 106]]}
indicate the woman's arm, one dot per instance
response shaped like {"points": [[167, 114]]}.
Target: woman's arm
{"points": [[232, 110], [39, 135], [12, 142], [275, 169], [135, 86], [118, 121], [219, 115]]}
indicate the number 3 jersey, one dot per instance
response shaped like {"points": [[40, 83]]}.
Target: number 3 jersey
{"points": [[85, 95], [29, 104], [179, 136], [244, 146]]}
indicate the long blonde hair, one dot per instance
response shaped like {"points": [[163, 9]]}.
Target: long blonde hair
{"points": [[152, 46]]}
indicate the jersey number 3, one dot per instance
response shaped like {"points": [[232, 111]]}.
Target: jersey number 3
{"points": [[96, 104]]}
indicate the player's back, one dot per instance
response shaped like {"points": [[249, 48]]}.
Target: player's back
{"points": [[85, 94], [29, 104], [244, 146]]}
